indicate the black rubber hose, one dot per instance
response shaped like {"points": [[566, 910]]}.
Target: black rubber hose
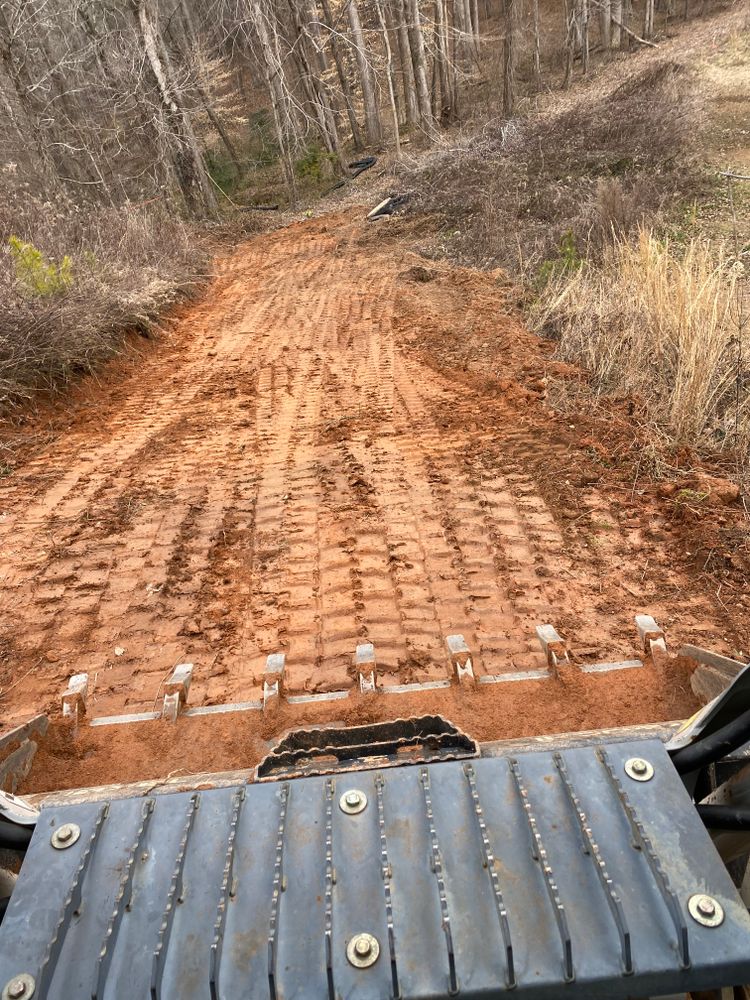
{"points": [[14, 838], [715, 746], [725, 817]]}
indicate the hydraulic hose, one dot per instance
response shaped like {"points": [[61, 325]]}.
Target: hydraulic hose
{"points": [[724, 817], [715, 746], [14, 838]]}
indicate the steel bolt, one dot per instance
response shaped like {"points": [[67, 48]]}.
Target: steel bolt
{"points": [[639, 766], [63, 834], [362, 947], [17, 989], [353, 798], [706, 906]]}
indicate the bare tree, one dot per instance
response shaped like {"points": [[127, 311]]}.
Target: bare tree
{"points": [[390, 76], [416, 45], [408, 83], [338, 59], [188, 162], [373, 129], [510, 42]]}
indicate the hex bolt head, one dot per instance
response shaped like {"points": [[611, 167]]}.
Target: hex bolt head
{"points": [[20, 987], [706, 910], [363, 950], [65, 836], [639, 769], [353, 801]]}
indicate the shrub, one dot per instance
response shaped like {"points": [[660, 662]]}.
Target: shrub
{"points": [[38, 276], [595, 166], [315, 165], [130, 264], [568, 260]]}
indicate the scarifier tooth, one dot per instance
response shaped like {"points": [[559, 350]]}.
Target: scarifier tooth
{"points": [[176, 691], [461, 658], [366, 665], [651, 635], [553, 646], [273, 680], [75, 697]]}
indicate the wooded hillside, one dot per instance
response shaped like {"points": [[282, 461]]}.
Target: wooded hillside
{"points": [[182, 99]]}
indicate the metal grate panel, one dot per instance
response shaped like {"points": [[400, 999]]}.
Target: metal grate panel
{"points": [[551, 873]]}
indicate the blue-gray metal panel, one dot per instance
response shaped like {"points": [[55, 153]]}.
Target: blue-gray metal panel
{"points": [[424, 862]]}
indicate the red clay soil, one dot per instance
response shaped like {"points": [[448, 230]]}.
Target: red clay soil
{"points": [[338, 444]]}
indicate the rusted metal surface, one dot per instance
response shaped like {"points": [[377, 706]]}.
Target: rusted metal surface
{"points": [[381, 744]]}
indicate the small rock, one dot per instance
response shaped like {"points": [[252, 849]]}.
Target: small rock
{"points": [[119, 650], [667, 489], [51, 657], [721, 491]]}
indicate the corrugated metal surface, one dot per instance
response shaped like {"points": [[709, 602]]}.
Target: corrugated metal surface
{"points": [[534, 873]]}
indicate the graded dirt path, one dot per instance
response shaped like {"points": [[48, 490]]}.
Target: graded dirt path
{"points": [[308, 463]]}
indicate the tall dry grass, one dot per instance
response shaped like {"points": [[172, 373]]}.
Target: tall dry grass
{"points": [[658, 321]]}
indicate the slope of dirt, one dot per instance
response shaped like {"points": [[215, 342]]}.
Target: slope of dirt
{"points": [[311, 460]]}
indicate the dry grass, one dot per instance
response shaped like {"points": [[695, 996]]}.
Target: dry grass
{"points": [[659, 322], [128, 265]]}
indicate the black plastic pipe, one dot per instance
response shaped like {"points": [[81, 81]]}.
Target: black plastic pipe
{"points": [[724, 817], [14, 838], [715, 746]]}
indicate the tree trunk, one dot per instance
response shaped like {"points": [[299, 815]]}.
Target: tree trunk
{"points": [[475, 24], [537, 47], [188, 162], [310, 68], [648, 19], [627, 10], [605, 24], [583, 34], [416, 44], [509, 58], [570, 43], [616, 20], [346, 90], [373, 129], [446, 110], [273, 71], [407, 68], [391, 87]]}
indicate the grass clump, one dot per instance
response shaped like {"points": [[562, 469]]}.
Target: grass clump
{"points": [[657, 321]]}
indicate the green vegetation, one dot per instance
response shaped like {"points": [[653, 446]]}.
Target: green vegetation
{"points": [[568, 261], [37, 275]]}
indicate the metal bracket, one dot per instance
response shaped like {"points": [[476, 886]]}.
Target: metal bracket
{"points": [[553, 646], [273, 680], [366, 667], [651, 635], [176, 691], [75, 697], [461, 659]]}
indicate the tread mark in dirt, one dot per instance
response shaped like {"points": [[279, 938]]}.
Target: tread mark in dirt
{"points": [[283, 473]]}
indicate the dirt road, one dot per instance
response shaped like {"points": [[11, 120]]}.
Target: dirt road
{"points": [[307, 462]]}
